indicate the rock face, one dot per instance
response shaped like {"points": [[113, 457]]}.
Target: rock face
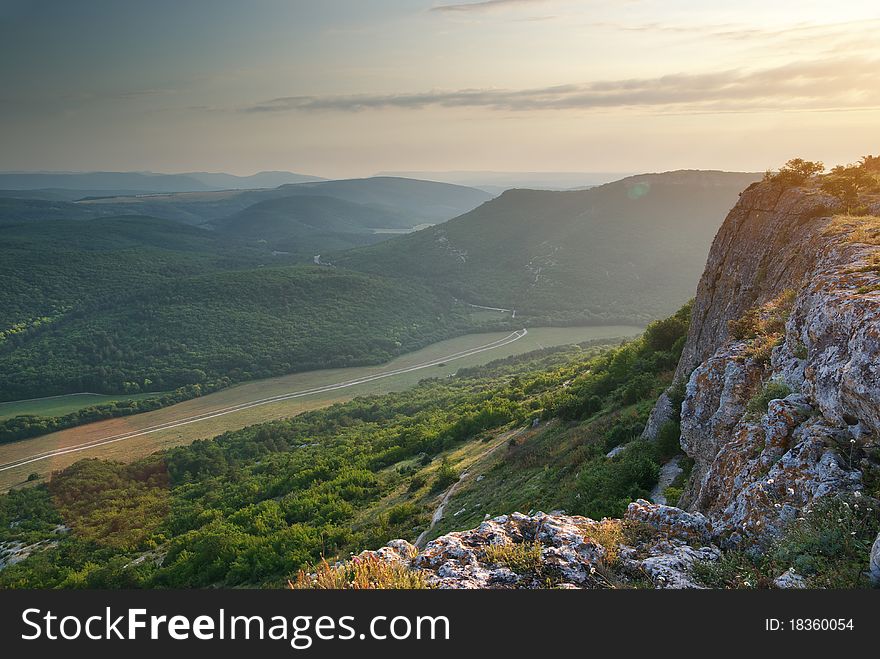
{"points": [[657, 543], [753, 472]]}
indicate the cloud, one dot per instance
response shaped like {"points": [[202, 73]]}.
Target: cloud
{"points": [[485, 5], [825, 84]]}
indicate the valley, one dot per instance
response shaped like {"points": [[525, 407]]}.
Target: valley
{"points": [[134, 437]]}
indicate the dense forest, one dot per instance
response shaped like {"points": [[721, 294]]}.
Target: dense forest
{"points": [[253, 506], [129, 305]]}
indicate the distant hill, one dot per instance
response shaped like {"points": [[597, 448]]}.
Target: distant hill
{"points": [[424, 201], [140, 182], [221, 181], [310, 224], [314, 218], [133, 304], [497, 182], [630, 251]]}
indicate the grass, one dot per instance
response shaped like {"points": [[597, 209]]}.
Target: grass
{"points": [[138, 447], [61, 405], [772, 390], [829, 547], [764, 327], [522, 558], [857, 228], [360, 573]]}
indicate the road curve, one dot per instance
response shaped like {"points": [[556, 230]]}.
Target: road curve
{"points": [[515, 336]]}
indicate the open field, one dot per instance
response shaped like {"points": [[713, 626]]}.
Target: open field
{"points": [[61, 405], [243, 396]]}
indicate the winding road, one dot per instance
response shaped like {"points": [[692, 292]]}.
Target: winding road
{"points": [[515, 336]]}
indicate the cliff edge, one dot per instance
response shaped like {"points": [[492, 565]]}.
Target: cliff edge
{"points": [[780, 415]]}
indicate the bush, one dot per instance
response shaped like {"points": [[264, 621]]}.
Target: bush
{"points": [[669, 439], [446, 476], [607, 486], [772, 390]]}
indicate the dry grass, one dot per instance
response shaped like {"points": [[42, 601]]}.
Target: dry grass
{"points": [[361, 573], [522, 558], [856, 228], [610, 534], [764, 326]]}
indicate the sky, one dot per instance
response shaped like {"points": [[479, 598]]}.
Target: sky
{"points": [[353, 87]]}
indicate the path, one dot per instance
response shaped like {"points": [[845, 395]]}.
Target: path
{"points": [[515, 336]]}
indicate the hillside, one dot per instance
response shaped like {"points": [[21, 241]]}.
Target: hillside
{"points": [[127, 304], [629, 250], [422, 202], [776, 405], [309, 225]]}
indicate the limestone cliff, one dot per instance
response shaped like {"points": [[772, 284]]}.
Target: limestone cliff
{"points": [[781, 410]]}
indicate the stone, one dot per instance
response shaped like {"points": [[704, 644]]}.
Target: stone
{"points": [[790, 579]]}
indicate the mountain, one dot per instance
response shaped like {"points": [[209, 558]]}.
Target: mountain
{"points": [[760, 458], [426, 202], [141, 182], [497, 182], [629, 250]]}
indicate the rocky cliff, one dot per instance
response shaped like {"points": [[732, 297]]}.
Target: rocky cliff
{"points": [[781, 411]]}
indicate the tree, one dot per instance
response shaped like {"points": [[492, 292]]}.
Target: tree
{"points": [[847, 183], [796, 171]]}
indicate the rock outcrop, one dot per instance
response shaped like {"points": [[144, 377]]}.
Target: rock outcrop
{"points": [[653, 543]]}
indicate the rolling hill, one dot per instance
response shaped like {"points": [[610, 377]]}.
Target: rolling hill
{"points": [[95, 304], [422, 202], [310, 224], [628, 251]]}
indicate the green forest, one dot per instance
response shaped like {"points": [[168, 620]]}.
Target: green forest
{"points": [[251, 507], [132, 305]]}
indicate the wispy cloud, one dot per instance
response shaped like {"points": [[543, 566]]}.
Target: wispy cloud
{"points": [[843, 83], [485, 5]]}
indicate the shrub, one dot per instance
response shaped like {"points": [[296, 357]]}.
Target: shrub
{"points": [[772, 390], [446, 476], [522, 558], [669, 439], [610, 534]]}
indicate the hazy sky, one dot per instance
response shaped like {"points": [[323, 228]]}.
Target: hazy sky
{"points": [[352, 87]]}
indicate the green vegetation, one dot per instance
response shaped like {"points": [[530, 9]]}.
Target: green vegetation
{"points": [[625, 252], [131, 306], [254, 507], [795, 172], [763, 327], [772, 390], [827, 547]]}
